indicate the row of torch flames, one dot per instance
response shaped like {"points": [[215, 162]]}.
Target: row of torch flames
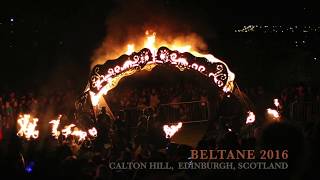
{"points": [[274, 114], [28, 126]]}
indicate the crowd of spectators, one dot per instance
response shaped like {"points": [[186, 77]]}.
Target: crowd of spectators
{"points": [[70, 160], [152, 97], [50, 104], [67, 159], [298, 94]]}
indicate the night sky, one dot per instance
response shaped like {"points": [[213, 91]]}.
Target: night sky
{"points": [[44, 42]]}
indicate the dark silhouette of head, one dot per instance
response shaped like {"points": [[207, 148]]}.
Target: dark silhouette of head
{"points": [[283, 136]]}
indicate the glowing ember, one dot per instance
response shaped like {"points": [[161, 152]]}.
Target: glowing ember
{"points": [[27, 127], [273, 113], [276, 102], [93, 132], [171, 130], [229, 129], [251, 117], [67, 130], [55, 124]]}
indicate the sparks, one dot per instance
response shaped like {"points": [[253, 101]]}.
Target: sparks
{"points": [[171, 130]]}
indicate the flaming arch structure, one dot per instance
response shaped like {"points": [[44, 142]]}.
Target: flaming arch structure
{"points": [[105, 77]]}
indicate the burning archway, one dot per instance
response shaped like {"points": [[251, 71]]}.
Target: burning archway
{"points": [[105, 77]]}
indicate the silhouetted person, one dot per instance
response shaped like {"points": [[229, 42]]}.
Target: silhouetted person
{"points": [[103, 126], [120, 126], [282, 136]]}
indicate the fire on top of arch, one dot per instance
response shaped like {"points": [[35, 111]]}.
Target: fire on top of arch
{"points": [[105, 77]]}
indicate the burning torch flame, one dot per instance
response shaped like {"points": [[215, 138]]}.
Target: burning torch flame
{"points": [[170, 131], [55, 124], [67, 130], [273, 113], [276, 102], [80, 134], [251, 117], [27, 127], [93, 132]]}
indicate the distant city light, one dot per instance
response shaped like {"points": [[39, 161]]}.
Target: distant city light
{"points": [[278, 28]]}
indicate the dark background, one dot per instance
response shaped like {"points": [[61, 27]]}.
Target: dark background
{"points": [[45, 44]]}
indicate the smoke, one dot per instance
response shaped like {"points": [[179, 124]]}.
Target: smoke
{"points": [[127, 23]]}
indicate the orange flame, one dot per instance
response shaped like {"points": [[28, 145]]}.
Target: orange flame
{"points": [[251, 117], [81, 135], [171, 130], [78, 133], [150, 42], [274, 113], [67, 130], [276, 102], [55, 123], [130, 49], [27, 127], [93, 132]]}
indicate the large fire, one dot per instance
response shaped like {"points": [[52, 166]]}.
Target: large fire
{"points": [[179, 44], [171, 130]]}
